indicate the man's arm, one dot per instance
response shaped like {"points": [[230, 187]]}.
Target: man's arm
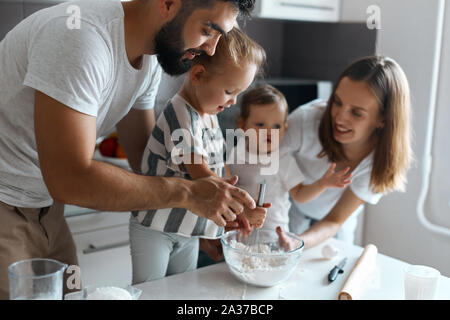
{"points": [[134, 130], [65, 141]]}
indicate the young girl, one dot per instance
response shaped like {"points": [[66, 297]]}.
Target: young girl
{"points": [[187, 142], [264, 112], [365, 125]]}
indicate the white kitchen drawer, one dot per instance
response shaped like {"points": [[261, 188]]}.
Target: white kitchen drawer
{"points": [[101, 240], [106, 268], [104, 256], [97, 221]]}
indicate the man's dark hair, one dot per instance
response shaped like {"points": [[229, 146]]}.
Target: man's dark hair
{"points": [[168, 42], [245, 7]]}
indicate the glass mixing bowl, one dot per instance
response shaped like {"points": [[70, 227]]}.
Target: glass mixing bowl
{"points": [[258, 259]]}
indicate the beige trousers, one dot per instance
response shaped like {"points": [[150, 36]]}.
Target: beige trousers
{"points": [[27, 233]]}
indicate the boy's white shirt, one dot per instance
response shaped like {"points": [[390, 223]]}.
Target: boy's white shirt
{"points": [[278, 185]]}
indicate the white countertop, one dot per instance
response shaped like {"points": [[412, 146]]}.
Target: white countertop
{"points": [[308, 282]]}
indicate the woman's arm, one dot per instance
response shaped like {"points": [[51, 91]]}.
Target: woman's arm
{"points": [[304, 193], [330, 225]]}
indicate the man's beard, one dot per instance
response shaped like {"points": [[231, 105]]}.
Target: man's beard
{"points": [[169, 47]]}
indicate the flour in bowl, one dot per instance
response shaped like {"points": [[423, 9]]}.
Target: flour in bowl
{"points": [[109, 293], [266, 269], [261, 262]]}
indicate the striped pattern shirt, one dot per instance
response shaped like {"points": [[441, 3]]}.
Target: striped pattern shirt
{"points": [[179, 132]]}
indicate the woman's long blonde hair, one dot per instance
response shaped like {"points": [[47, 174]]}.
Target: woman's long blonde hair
{"points": [[392, 153]]}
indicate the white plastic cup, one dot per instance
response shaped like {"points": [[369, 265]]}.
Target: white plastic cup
{"points": [[421, 282]]}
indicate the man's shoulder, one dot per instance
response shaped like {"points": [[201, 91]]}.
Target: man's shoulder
{"points": [[75, 20], [96, 12]]}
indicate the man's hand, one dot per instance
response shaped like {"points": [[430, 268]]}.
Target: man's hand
{"points": [[218, 199], [213, 248]]}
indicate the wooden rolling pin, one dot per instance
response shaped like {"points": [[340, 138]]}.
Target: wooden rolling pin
{"points": [[356, 281]]}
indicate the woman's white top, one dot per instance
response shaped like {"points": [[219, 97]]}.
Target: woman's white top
{"points": [[302, 138]]}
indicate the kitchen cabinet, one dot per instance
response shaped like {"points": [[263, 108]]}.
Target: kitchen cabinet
{"points": [[14, 11], [302, 10], [10, 15], [103, 251]]}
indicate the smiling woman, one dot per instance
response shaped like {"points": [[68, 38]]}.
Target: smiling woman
{"points": [[377, 105], [364, 126]]}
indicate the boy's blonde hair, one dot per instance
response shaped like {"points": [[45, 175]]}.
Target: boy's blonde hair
{"points": [[236, 48], [392, 154], [262, 95]]}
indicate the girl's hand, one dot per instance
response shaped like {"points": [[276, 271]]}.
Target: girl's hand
{"points": [[332, 179], [255, 217], [240, 224]]}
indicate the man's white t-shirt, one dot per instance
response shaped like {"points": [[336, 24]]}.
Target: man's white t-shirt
{"points": [[278, 184], [86, 69], [302, 138]]}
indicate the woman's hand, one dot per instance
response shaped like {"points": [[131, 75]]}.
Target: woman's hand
{"points": [[332, 179]]}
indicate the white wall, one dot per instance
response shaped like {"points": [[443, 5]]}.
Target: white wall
{"points": [[408, 35]]}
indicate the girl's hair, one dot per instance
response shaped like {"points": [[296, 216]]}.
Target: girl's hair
{"points": [[262, 95], [236, 48], [392, 153]]}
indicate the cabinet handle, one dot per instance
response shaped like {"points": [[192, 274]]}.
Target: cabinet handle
{"points": [[287, 3], [92, 248]]}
